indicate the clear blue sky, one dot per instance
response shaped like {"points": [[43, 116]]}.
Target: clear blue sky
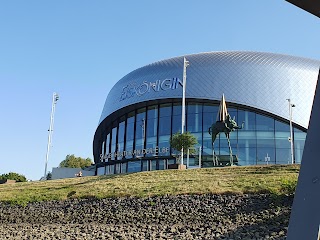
{"points": [[80, 49]]}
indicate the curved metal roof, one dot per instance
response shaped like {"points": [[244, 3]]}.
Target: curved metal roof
{"points": [[256, 79]]}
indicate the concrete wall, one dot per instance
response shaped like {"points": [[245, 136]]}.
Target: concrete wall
{"points": [[58, 173]]}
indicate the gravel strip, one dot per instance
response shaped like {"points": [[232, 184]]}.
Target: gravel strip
{"points": [[248, 216]]}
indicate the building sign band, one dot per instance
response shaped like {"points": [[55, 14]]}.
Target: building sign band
{"points": [[135, 89], [136, 152]]}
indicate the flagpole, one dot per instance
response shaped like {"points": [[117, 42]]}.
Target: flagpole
{"points": [[183, 115]]}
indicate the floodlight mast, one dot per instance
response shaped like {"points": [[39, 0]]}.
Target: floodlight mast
{"points": [[184, 85], [55, 98], [291, 105]]}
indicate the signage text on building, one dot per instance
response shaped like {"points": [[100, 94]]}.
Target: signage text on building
{"points": [[136, 89], [136, 152]]}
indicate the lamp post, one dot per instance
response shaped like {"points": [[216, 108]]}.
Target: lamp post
{"points": [[291, 105], [183, 115], [55, 98]]}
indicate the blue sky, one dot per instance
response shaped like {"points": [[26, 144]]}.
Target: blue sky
{"points": [[80, 49]]}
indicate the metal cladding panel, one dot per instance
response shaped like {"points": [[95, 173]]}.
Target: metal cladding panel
{"points": [[255, 79]]}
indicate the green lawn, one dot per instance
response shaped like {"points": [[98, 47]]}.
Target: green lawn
{"points": [[275, 179]]}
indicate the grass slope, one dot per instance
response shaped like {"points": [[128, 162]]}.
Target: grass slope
{"points": [[275, 179]]}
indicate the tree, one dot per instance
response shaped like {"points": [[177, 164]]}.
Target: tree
{"points": [[183, 140], [75, 162], [13, 176]]}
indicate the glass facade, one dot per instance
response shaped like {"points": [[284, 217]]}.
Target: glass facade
{"points": [[139, 140]]}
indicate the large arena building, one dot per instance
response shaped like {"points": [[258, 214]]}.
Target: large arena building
{"points": [[144, 109]]}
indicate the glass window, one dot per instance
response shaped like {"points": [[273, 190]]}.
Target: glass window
{"points": [[281, 127], [134, 166], [107, 143], [194, 122], [265, 139], [165, 125], [208, 120], [164, 142], [145, 165], [151, 143], [153, 112], [101, 171], [247, 156], [162, 164], [165, 110], [176, 123], [247, 139], [152, 127], [299, 142], [121, 130], [194, 108], [248, 118], [283, 155], [118, 168], [153, 165], [266, 155], [130, 127], [111, 169], [264, 123], [140, 123], [123, 167], [210, 108], [113, 141], [177, 109], [282, 139]]}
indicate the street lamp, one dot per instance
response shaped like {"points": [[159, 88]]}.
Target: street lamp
{"points": [[55, 98], [291, 105], [184, 84]]}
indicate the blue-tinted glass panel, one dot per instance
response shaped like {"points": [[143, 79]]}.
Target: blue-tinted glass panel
{"points": [[113, 141], [177, 109], [117, 168], [165, 110], [140, 123], [107, 145], [265, 139], [164, 125], [248, 118], [264, 123], [164, 143], [145, 165], [194, 108], [282, 139], [129, 148], [134, 166], [194, 123], [247, 139], [153, 165], [299, 142], [246, 156], [283, 155], [281, 126], [210, 108], [152, 127], [209, 118], [101, 171], [266, 155], [123, 167], [151, 143], [153, 112], [162, 164], [176, 124], [130, 127]]}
